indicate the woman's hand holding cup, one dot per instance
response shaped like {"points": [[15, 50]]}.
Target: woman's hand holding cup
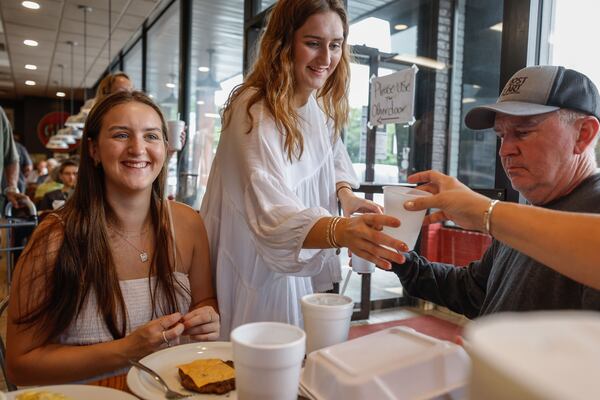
{"points": [[362, 236]]}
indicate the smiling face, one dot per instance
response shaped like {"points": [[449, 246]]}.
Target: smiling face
{"points": [[130, 147], [317, 52], [537, 153]]}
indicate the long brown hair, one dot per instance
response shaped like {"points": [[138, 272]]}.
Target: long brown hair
{"points": [[82, 263], [272, 75]]}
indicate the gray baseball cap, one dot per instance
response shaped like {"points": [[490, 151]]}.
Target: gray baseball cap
{"points": [[538, 90]]}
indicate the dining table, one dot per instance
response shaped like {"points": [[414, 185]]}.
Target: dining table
{"points": [[426, 324]]}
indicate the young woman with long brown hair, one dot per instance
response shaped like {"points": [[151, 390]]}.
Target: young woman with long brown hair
{"points": [[280, 170], [103, 280]]}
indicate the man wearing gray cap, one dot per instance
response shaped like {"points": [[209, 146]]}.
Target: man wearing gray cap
{"points": [[547, 118]]}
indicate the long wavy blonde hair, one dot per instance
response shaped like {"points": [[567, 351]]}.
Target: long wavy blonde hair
{"points": [[272, 75]]}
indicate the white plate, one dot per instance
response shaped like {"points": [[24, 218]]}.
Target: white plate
{"points": [[165, 363], [77, 392]]}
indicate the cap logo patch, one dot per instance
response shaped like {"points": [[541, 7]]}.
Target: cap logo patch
{"points": [[514, 85]]}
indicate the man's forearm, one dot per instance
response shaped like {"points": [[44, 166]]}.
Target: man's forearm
{"points": [[11, 173]]}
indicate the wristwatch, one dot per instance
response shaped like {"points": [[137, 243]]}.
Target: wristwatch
{"points": [[10, 189]]}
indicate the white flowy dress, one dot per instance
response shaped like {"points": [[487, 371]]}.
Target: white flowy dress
{"points": [[258, 209]]}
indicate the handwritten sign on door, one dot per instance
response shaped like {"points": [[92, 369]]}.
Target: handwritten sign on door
{"points": [[392, 98]]}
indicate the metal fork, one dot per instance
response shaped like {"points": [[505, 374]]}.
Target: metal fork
{"points": [[169, 394]]}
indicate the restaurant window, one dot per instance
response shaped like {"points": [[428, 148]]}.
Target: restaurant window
{"points": [[476, 77], [264, 4], [133, 64], [162, 73], [566, 26], [456, 47], [217, 54]]}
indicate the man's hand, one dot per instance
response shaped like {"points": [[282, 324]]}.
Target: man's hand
{"points": [[17, 199]]}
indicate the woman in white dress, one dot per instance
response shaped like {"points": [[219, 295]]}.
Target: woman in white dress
{"points": [[280, 170], [103, 279]]}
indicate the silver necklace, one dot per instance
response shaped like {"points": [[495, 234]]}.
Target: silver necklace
{"points": [[142, 253]]}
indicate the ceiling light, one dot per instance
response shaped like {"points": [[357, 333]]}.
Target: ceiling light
{"points": [[151, 95], [421, 61], [468, 100], [170, 85], [30, 83], [212, 115], [60, 94], [31, 67], [200, 102], [497, 27], [400, 27], [29, 42], [203, 69], [32, 5]]}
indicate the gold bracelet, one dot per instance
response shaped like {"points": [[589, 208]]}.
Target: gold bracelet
{"points": [[487, 217], [337, 192], [328, 233], [334, 223]]}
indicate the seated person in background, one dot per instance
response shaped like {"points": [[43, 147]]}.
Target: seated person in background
{"points": [[51, 183], [52, 163], [547, 120], [39, 173], [118, 272], [67, 173]]}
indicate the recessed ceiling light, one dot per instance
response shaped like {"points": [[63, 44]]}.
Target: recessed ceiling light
{"points": [[200, 102], [30, 83], [212, 115], [31, 67], [170, 85], [32, 5], [203, 69], [60, 94], [400, 27], [29, 42]]}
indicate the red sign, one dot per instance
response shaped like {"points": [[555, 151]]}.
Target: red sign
{"points": [[49, 126]]}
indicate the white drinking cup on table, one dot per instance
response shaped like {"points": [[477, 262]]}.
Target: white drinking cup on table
{"points": [[267, 357], [174, 129], [394, 198], [326, 319], [361, 265]]}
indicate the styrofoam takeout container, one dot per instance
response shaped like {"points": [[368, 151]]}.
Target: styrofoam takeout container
{"points": [[396, 363], [542, 355]]}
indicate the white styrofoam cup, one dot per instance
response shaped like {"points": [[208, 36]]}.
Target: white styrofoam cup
{"points": [[268, 358], [174, 128], [326, 319], [394, 198]]}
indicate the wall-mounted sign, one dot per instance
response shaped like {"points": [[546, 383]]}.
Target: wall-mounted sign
{"points": [[393, 98], [50, 124]]}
